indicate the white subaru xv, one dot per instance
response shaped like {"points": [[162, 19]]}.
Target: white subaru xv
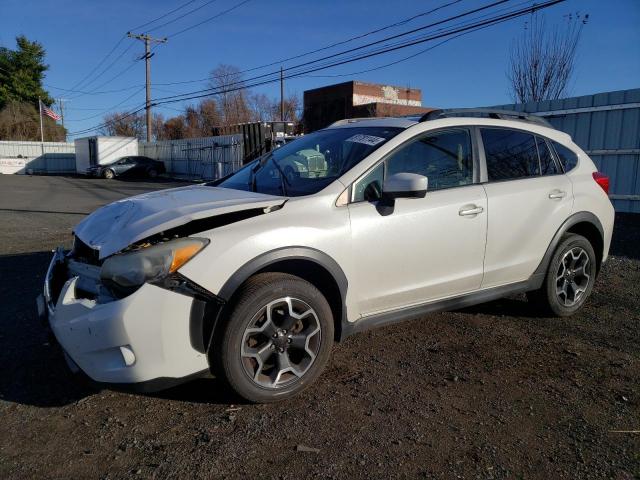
{"points": [[362, 224]]}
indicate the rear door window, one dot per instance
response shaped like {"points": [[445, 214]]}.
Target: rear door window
{"points": [[510, 154]]}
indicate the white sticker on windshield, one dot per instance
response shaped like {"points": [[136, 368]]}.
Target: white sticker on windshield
{"points": [[366, 139]]}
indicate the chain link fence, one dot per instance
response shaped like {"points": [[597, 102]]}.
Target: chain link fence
{"points": [[206, 158]]}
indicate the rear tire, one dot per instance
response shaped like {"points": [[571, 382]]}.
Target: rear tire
{"points": [[569, 279], [153, 173], [276, 339]]}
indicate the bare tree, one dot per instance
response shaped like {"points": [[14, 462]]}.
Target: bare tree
{"points": [[231, 94], [543, 60], [173, 129], [124, 125], [209, 117], [261, 107], [292, 108]]}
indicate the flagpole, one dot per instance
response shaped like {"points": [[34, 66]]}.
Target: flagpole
{"points": [[41, 129]]}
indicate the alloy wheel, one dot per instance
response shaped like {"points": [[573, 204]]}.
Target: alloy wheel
{"points": [[573, 276], [281, 342]]}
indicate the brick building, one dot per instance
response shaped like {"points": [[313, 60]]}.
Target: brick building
{"points": [[325, 105]]}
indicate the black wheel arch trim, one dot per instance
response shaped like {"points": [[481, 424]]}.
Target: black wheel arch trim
{"points": [[574, 219], [289, 253]]}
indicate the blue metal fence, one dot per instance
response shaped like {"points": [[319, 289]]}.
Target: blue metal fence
{"points": [[607, 127]]}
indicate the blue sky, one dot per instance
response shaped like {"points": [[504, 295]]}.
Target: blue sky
{"points": [[467, 71]]}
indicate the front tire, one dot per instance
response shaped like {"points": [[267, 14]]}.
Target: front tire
{"points": [[108, 174], [276, 339], [569, 279]]}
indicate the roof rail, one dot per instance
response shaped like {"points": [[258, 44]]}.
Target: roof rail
{"points": [[485, 113]]}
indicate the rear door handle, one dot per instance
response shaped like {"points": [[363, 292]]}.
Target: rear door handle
{"points": [[557, 194], [468, 210]]}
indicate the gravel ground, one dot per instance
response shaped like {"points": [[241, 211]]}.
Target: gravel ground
{"points": [[487, 392]]}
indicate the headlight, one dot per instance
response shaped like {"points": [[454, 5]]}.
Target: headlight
{"points": [[149, 264]]}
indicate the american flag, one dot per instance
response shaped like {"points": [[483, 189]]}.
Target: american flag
{"points": [[49, 113]]}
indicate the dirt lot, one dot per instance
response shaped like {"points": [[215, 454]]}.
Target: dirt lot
{"points": [[487, 392]]}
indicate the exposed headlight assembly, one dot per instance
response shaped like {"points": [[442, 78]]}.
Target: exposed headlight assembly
{"points": [[131, 270]]}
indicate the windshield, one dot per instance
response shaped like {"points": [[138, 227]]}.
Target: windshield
{"points": [[309, 163]]}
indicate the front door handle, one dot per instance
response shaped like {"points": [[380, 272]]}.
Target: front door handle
{"points": [[468, 210], [557, 194]]}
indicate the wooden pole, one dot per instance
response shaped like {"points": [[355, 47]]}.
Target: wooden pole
{"points": [[281, 95]]}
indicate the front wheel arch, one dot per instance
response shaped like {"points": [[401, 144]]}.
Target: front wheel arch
{"points": [[310, 264]]}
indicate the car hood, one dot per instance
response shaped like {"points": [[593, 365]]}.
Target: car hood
{"points": [[117, 225]]}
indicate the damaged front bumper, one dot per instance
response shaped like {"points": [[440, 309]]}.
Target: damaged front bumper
{"points": [[142, 339]]}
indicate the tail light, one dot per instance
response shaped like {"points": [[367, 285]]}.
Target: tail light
{"points": [[602, 180]]}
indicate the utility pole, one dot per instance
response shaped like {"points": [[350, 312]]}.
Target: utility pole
{"points": [[147, 39], [281, 95], [60, 102]]}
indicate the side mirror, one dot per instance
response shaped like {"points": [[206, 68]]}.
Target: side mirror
{"points": [[405, 185]]}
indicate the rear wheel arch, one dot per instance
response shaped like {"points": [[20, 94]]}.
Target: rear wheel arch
{"points": [[581, 223], [589, 231]]}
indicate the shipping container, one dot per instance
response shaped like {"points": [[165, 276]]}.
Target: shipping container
{"points": [[96, 150]]}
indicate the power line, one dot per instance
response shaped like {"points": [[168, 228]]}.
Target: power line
{"points": [[224, 12], [171, 108], [106, 82], [357, 37], [93, 92], [179, 17], [121, 39], [165, 100], [139, 27], [110, 108], [154, 28], [385, 49], [490, 21], [417, 53], [327, 47], [403, 59], [104, 59], [108, 67], [447, 20]]}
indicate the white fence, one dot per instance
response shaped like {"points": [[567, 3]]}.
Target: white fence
{"points": [[37, 157], [194, 158], [197, 158]]}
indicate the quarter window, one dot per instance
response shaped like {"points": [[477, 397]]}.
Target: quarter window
{"points": [[369, 187], [567, 158], [444, 157], [510, 154], [547, 163]]}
